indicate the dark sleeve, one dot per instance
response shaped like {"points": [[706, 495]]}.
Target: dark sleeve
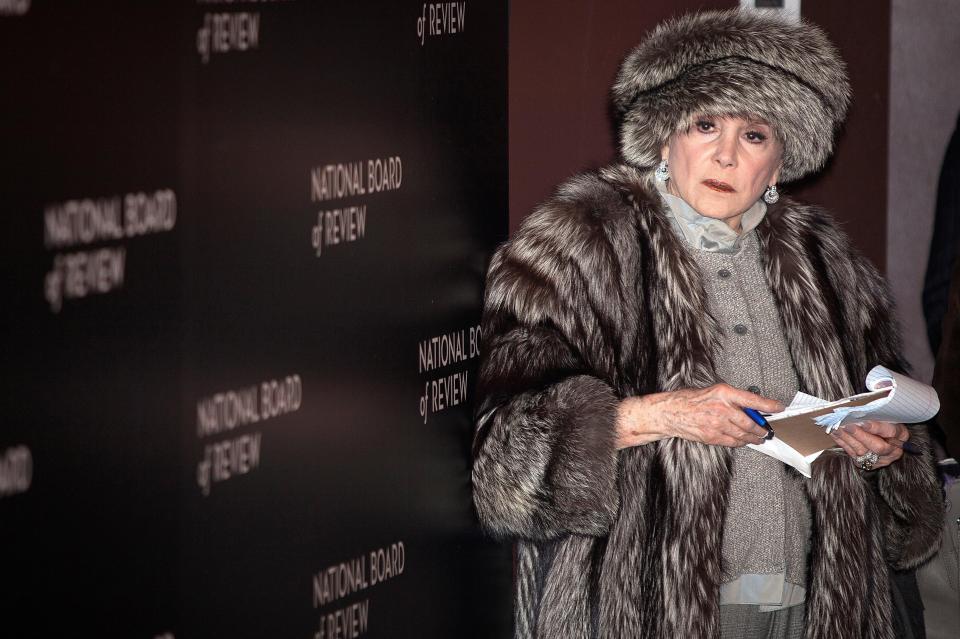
{"points": [[946, 373], [911, 503], [545, 462], [943, 245]]}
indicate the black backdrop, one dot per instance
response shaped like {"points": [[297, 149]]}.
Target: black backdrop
{"points": [[244, 252]]}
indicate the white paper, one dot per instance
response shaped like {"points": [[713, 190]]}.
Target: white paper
{"points": [[909, 402], [801, 403], [779, 449]]}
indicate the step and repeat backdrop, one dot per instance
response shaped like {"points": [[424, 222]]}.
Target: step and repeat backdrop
{"points": [[244, 251]]}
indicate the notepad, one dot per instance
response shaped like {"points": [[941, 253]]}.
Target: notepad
{"points": [[802, 428]]}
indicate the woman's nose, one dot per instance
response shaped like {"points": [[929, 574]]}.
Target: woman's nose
{"points": [[725, 153]]}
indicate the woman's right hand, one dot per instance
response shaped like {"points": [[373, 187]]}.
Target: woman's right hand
{"points": [[712, 415]]}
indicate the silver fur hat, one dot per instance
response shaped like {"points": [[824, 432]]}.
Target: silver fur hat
{"points": [[734, 62]]}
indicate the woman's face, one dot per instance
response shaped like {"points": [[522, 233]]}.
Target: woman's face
{"points": [[722, 165]]}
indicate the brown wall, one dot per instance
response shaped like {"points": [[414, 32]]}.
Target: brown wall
{"points": [[854, 186], [563, 58]]}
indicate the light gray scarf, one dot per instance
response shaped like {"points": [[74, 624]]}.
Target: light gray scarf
{"points": [[707, 233]]}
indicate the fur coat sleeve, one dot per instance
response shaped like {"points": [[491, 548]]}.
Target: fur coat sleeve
{"points": [[545, 462], [910, 499]]}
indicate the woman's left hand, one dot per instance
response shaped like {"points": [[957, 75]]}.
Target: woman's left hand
{"points": [[883, 438]]}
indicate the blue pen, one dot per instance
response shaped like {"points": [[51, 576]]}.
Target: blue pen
{"points": [[760, 421], [910, 447]]}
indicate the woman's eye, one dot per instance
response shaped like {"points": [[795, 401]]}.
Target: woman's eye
{"points": [[756, 136], [704, 126]]}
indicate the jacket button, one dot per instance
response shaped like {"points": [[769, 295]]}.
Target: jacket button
{"points": [[754, 389], [740, 329], [724, 273]]}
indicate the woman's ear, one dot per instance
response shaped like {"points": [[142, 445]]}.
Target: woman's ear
{"points": [[665, 152]]}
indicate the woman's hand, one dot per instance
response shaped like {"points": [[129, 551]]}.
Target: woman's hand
{"points": [[712, 415], [883, 438]]}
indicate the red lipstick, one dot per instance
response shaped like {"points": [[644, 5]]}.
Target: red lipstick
{"points": [[717, 185]]}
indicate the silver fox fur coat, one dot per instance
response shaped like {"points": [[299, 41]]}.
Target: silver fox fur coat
{"points": [[595, 299]]}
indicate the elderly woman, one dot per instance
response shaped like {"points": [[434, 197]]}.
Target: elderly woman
{"points": [[639, 310]]}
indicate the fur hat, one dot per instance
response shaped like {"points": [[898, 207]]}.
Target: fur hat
{"points": [[734, 62]]}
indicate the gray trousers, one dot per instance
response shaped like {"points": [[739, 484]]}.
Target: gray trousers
{"points": [[745, 621]]}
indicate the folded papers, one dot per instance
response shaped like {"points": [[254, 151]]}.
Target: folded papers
{"points": [[802, 429]]}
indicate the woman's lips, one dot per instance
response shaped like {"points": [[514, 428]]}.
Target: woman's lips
{"points": [[717, 185]]}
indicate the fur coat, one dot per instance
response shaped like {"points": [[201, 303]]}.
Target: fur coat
{"points": [[596, 299]]}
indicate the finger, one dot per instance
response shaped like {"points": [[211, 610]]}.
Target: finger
{"points": [[729, 441], [752, 437], [878, 445], [844, 445], [903, 433], [856, 447], [735, 424], [745, 436], [744, 425], [886, 460], [902, 439], [746, 399], [892, 432], [880, 429]]}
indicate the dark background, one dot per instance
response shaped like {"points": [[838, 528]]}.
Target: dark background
{"points": [[114, 536]]}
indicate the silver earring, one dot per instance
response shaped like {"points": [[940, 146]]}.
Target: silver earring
{"points": [[662, 174], [770, 196]]}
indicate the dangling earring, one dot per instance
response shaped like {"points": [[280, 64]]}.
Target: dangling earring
{"points": [[662, 173], [770, 196]]}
